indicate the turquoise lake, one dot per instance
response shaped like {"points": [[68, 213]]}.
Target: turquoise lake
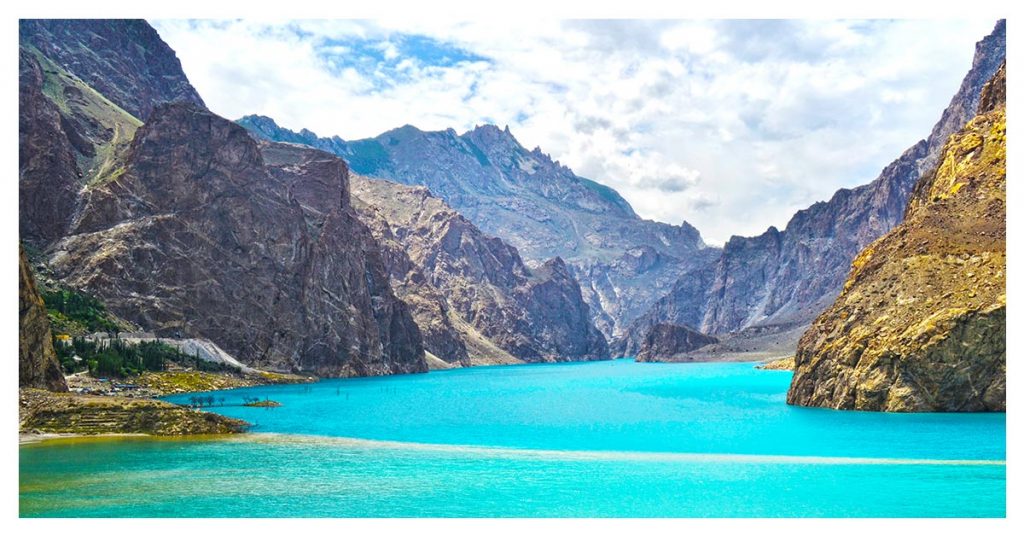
{"points": [[604, 439]]}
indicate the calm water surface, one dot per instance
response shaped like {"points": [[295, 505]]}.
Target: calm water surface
{"points": [[584, 439]]}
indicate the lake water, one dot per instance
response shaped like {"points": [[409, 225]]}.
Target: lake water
{"points": [[583, 439]]}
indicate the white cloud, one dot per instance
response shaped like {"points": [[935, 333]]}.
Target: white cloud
{"points": [[730, 125]]}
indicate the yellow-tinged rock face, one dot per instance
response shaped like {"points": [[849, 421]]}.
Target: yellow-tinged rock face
{"points": [[921, 322], [37, 361]]}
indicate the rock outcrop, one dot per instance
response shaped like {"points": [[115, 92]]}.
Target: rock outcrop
{"points": [[784, 279], [200, 235], [37, 361], [473, 297], [671, 342], [124, 60], [67, 413], [622, 262], [71, 133], [921, 322], [48, 174]]}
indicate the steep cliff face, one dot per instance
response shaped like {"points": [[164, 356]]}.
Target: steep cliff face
{"points": [[472, 294], [48, 174], [71, 133], [921, 322], [671, 342], [786, 278], [199, 234], [37, 361], [623, 263], [124, 60]]}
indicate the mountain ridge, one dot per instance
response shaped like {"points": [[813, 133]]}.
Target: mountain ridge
{"points": [[622, 262], [460, 277], [786, 278], [149, 242], [920, 324]]}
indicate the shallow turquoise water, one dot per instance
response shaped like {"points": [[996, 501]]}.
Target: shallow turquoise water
{"points": [[592, 439]]}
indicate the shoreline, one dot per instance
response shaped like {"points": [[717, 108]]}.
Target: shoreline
{"points": [[28, 438], [527, 452]]}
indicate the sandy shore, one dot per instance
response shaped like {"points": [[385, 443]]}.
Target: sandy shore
{"points": [[26, 438]]}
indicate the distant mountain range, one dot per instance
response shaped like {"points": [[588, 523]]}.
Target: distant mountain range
{"points": [[920, 324], [184, 224], [623, 263], [756, 292], [781, 280], [445, 250]]}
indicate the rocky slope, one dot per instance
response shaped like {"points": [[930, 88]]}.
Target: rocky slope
{"points": [[623, 263], [199, 234], [671, 342], [124, 60], [472, 295], [37, 361], [48, 175], [71, 133], [921, 322], [784, 279]]}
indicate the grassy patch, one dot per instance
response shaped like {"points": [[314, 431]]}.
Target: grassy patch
{"points": [[103, 124], [77, 313]]}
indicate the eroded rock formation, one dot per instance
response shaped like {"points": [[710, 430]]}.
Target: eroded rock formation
{"points": [[921, 322], [671, 342], [783, 279], [472, 295], [199, 235], [37, 361]]}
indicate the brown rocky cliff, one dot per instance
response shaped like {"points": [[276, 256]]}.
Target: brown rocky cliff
{"points": [[921, 322], [481, 282], [785, 279], [123, 59], [48, 174], [37, 361], [199, 235], [671, 342]]}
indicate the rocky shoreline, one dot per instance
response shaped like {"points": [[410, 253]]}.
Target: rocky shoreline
{"points": [[45, 412], [105, 407]]}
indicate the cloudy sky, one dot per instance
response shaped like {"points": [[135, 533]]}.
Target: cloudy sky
{"points": [[730, 125]]}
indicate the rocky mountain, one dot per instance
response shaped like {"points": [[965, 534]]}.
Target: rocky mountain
{"points": [[473, 297], [37, 361], [48, 175], [671, 342], [202, 233], [623, 263], [84, 85], [123, 60], [920, 324], [781, 280]]}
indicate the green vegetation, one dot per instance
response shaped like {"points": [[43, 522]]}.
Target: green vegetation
{"points": [[180, 381], [105, 126], [114, 357], [77, 313], [606, 193], [118, 358]]}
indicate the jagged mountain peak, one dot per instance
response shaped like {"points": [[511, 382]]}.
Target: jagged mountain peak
{"points": [[534, 203], [258, 120], [493, 133]]}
